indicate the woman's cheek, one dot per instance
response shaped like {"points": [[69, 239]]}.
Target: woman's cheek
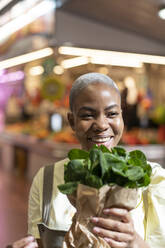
{"points": [[119, 124]]}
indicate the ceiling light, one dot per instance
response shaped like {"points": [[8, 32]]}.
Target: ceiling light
{"points": [[36, 70], [161, 12], [26, 58], [58, 69], [129, 82], [69, 63], [32, 14], [115, 61], [131, 57]]}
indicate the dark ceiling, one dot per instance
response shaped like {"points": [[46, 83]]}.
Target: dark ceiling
{"points": [[138, 16]]}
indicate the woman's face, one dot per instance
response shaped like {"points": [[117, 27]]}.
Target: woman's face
{"points": [[96, 117]]}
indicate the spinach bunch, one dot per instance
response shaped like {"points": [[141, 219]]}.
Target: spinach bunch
{"points": [[101, 166]]}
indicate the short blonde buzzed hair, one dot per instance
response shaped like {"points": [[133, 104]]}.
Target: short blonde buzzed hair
{"points": [[84, 80]]}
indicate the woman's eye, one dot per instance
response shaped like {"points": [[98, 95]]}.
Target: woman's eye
{"points": [[86, 116], [112, 114]]}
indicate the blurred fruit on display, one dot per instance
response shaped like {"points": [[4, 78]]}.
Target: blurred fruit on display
{"points": [[33, 128], [139, 136], [158, 115], [161, 134], [66, 136]]}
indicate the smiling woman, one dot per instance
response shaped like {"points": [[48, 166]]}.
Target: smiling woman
{"points": [[96, 118]]}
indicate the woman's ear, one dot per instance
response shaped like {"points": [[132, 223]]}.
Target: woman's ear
{"points": [[70, 117]]}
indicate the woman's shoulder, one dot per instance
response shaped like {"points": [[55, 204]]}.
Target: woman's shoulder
{"points": [[157, 171], [157, 185], [61, 162], [58, 165]]}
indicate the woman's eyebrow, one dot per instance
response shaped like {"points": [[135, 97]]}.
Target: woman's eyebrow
{"points": [[111, 107], [86, 108]]}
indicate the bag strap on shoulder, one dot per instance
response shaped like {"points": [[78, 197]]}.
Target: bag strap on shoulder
{"points": [[47, 192]]}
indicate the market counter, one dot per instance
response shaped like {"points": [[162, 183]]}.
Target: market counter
{"points": [[26, 154]]}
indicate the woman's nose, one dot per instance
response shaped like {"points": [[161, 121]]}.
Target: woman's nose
{"points": [[101, 123]]}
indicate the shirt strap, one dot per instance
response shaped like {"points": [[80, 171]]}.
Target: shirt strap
{"points": [[145, 206], [47, 192]]}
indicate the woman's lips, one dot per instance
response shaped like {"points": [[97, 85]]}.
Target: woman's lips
{"points": [[100, 140], [107, 141]]}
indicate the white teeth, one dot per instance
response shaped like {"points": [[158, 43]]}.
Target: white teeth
{"points": [[101, 140]]}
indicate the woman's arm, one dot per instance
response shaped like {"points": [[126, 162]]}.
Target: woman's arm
{"points": [[28, 242], [117, 229], [35, 204]]}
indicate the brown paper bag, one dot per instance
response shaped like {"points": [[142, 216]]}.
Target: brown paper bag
{"points": [[90, 202]]}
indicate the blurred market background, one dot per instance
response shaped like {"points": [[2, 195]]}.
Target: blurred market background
{"points": [[44, 46]]}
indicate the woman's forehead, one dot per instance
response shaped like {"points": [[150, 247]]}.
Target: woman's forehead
{"points": [[99, 90], [98, 94]]}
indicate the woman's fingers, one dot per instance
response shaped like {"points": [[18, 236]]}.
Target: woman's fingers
{"points": [[27, 242], [114, 244], [117, 236], [113, 225], [116, 228], [32, 245], [121, 213]]}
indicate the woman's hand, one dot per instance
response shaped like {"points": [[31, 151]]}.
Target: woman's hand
{"points": [[118, 229], [27, 242]]}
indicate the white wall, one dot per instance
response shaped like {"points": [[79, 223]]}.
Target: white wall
{"points": [[86, 33]]}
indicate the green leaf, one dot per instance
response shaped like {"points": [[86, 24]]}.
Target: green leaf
{"points": [[93, 181], [78, 154], [68, 188], [103, 163], [131, 184], [145, 181], [98, 162], [94, 157], [97, 171], [75, 170], [137, 158], [134, 173], [148, 169], [104, 149], [119, 168], [120, 151], [113, 159]]}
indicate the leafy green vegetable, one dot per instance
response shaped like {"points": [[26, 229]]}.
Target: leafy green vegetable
{"points": [[93, 181], [68, 188], [101, 166], [78, 154]]}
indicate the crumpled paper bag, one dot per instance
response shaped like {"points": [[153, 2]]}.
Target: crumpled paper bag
{"points": [[90, 202]]}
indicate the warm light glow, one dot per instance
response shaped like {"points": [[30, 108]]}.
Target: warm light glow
{"points": [[103, 70], [131, 57], [36, 70], [116, 61], [161, 13], [32, 14], [132, 90], [129, 82], [58, 69], [26, 58], [11, 77], [69, 63]]}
